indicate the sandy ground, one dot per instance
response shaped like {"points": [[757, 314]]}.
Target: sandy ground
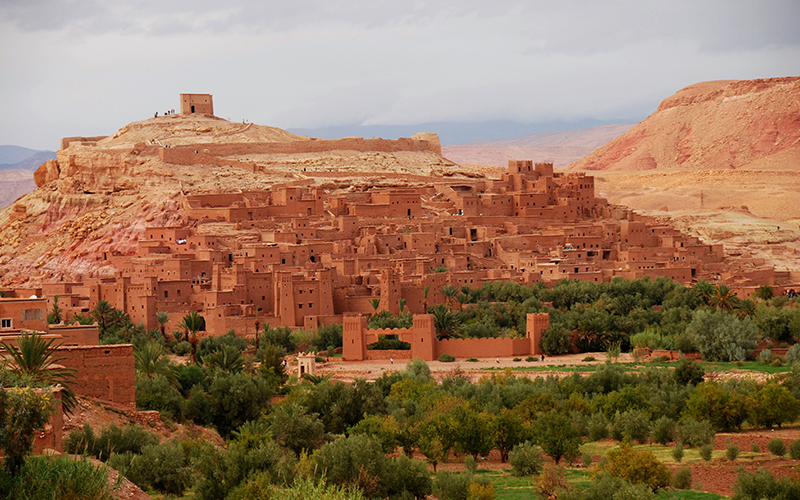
{"points": [[372, 369]]}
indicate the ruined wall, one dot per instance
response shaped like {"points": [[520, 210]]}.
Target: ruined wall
{"points": [[103, 372], [76, 335], [206, 153]]}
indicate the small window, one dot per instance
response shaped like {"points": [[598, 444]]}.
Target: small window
{"points": [[5, 323]]}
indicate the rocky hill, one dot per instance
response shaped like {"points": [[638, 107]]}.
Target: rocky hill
{"points": [[720, 159], [712, 125], [94, 202]]}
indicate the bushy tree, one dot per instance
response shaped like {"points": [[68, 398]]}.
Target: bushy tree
{"points": [[235, 399], [557, 436], [724, 407], [555, 341], [23, 411], [637, 466], [293, 428], [526, 459], [773, 404], [720, 336]]}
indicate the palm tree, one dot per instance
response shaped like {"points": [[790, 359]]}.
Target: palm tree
{"points": [[36, 357], [704, 290], [445, 321], [316, 379], [55, 317], [425, 298], [227, 358], [764, 292], [461, 299], [162, 318], [747, 309], [402, 304], [375, 303], [151, 361], [449, 292], [191, 324], [102, 315], [724, 298]]}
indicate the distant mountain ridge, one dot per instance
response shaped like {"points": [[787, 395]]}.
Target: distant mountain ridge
{"points": [[16, 171], [561, 147], [30, 163]]}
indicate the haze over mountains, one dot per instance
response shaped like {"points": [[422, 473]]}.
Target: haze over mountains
{"points": [[16, 171], [561, 147]]}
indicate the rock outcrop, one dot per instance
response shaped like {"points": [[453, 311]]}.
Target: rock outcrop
{"points": [[94, 201], [712, 125]]}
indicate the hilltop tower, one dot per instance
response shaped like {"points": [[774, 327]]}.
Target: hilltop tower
{"points": [[197, 104]]}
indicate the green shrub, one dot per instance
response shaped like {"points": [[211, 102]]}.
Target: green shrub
{"points": [[58, 477], [589, 358], [451, 486], [794, 450], [695, 433], [157, 394], [220, 470], [720, 336], [530, 359], [517, 360], [762, 484], [682, 478], [327, 336], [688, 371], [732, 451], [677, 452], [526, 459], [470, 464], [597, 427], [446, 358], [555, 341], [182, 348], [755, 448], [777, 447], [280, 336], [162, 467], [481, 488], [213, 344], [353, 461], [472, 360], [633, 425], [408, 478], [765, 356], [637, 466], [663, 431], [112, 439], [777, 362], [705, 452], [793, 354], [586, 459]]}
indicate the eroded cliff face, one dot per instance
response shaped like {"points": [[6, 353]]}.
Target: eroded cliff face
{"points": [[718, 159], [93, 203], [712, 125]]}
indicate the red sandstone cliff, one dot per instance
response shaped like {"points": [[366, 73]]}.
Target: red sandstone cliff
{"points": [[724, 124]]}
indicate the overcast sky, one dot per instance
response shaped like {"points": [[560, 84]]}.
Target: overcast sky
{"points": [[83, 67]]}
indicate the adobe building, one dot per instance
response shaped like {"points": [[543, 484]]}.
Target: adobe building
{"points": [[197, 103], [301, 256]]}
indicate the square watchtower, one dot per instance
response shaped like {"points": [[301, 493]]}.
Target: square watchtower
{"points": [[197, 104]]}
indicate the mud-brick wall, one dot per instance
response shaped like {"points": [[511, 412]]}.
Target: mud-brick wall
{"points": [[102, 372], [483, 348]]}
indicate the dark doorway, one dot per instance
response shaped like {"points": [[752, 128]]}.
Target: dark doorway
{"points": [[192, 109]]}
